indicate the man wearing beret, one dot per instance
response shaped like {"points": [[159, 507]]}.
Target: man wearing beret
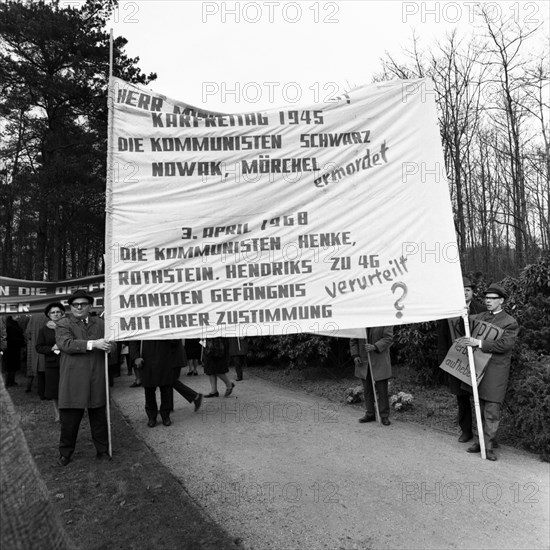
{"points": [[492, 387], [80, 338], [444, 342]]}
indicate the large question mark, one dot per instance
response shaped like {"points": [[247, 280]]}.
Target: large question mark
{"points": [[396, 304]]}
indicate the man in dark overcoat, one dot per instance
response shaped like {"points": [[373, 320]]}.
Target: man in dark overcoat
{"points": [[376, 347], [492, 387], [80, 339], [237, 350], [156, 359], [444, 342]]}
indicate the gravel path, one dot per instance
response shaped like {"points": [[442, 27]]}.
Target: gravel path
{"points": [[280, 469]]}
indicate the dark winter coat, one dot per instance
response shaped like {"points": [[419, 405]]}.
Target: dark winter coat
{"points": [[81, 372], [16, 341], [193, 348], [495, 380], [237, 346], [382, 338], [215, 358], [44, 344], [35, 361], [160, 357]]}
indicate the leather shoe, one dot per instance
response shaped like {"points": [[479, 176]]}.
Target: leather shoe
{"points": [[152, 422], [475, 448], [491, 455], [212, 394], [229, 390], [166, 421], [63, 460], [386, 421], [465, 436], [198, 402], [239, 378], [367, 418], [102, 456]]}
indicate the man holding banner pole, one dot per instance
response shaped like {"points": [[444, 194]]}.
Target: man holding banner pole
{"points": [[373, 366], [446, 334], [82, 377], [492, 388]]}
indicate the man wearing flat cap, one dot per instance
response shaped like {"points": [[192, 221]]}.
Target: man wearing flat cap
{"points": [[80, 338], [492, 387], [444, 342]]}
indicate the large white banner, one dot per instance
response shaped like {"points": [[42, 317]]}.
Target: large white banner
{"points": [[325, 218]]}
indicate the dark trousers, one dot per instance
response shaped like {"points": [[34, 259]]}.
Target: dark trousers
{"points": [[166, 400], [490, 417], [41, 381], [383, 399], [464, 413], [185, 391], [70, 423], [239, 361]]}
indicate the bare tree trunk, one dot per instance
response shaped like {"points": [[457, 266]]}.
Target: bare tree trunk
{"points": [[507, 41]]}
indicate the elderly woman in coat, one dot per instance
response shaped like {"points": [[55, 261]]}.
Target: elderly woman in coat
{"points": [[375, 347], [46, 346]]}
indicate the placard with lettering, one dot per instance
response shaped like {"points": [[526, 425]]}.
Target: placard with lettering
{"points": [[456, 361], [21, 297]]}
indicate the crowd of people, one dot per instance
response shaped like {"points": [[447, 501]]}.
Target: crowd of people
{"points": [[66, 355]]}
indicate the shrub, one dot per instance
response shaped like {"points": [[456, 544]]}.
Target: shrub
{"points": [[528, 398], [262, 350], [298, 350], [534, 321], [535, 278], [416, 345], [303, 349], [531, 305]]}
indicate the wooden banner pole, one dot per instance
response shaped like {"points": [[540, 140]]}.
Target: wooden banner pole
{"points": [[108, 252], [376, 410], [473, 378]]}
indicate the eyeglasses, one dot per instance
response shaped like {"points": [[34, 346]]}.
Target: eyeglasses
{"points": [[80, 305]]}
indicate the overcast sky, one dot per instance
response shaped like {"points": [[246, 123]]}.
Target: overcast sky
{"points": [[243, 56]]}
